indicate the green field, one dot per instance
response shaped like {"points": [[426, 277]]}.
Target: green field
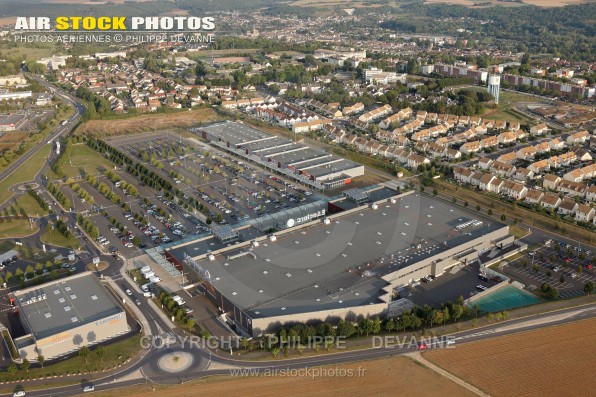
{"points": [[54, 237], [24, 173], [26, 203], [16, 228], [506, 108], [82, 161], [26, 53]]}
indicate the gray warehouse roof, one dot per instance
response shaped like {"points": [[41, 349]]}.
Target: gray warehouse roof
{"points": [[339, 265], [64, 304]]}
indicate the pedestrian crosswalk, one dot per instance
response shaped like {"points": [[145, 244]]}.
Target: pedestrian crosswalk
{"points": [[480, 333]]}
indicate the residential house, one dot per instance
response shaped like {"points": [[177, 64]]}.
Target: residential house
{"points": [[576, 175], [556, 144], [488, 142], [452, 154], [526, 153], [500, 124], [591, 193], [575, 189], [435, 150], [523, 174], [476, 178], [507, 137], [355, 108], [470, 147], [462, 174], [568, 206], [485, 182], [582, 154], [484, 163], [539, 167], [551, 181], [579, 138], [551, 201], [539, 129], [543, 147], [415, 160], [585, 213], [534, 196], [508, 158], [502, 169], [514, 190]]}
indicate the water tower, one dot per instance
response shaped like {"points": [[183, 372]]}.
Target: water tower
{"points": [[494, 85]]}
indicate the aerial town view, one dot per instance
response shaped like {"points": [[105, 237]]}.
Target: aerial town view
{"points": [[294, 197]]}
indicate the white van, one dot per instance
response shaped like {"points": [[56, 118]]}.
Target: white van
{"points": [[148, 275], [145, 269], [178, 299], [154, 279]]}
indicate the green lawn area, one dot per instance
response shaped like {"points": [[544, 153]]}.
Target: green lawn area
{"points": [[25, 172], [83, 160], [54, 237], [16, 228], [28, 53], [28, 204], [506, 108], [116, 353]]}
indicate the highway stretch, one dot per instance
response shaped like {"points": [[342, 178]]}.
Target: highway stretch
{"points": [[148, 373], [60, 129]]}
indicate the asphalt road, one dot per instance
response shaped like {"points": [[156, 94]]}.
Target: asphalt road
{"points": [[60, 130], [203, 358]]}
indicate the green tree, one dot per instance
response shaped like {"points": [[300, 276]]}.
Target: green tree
{"points": [[589, 288], [25, 365], [505, 314], [190, 323], [489, 317], [12, 369], [244, 342], [457, 311], [101, 352], [390, 325], [474, 322], [41, 359], [84, 353]]}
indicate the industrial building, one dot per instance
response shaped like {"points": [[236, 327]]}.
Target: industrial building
{"points": [[332, 258], [11, 122], [313, 167], [61, 316]]}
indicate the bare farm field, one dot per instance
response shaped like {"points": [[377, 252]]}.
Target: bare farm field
{"points": [[553, 361], [148, 122], [394, 376]]}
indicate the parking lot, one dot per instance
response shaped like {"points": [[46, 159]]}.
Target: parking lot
{"points": [[228, 188], [447, 287], [567, 268], [131, 214]]}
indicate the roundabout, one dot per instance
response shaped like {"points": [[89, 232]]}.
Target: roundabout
{"points": [[175, 362]]}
